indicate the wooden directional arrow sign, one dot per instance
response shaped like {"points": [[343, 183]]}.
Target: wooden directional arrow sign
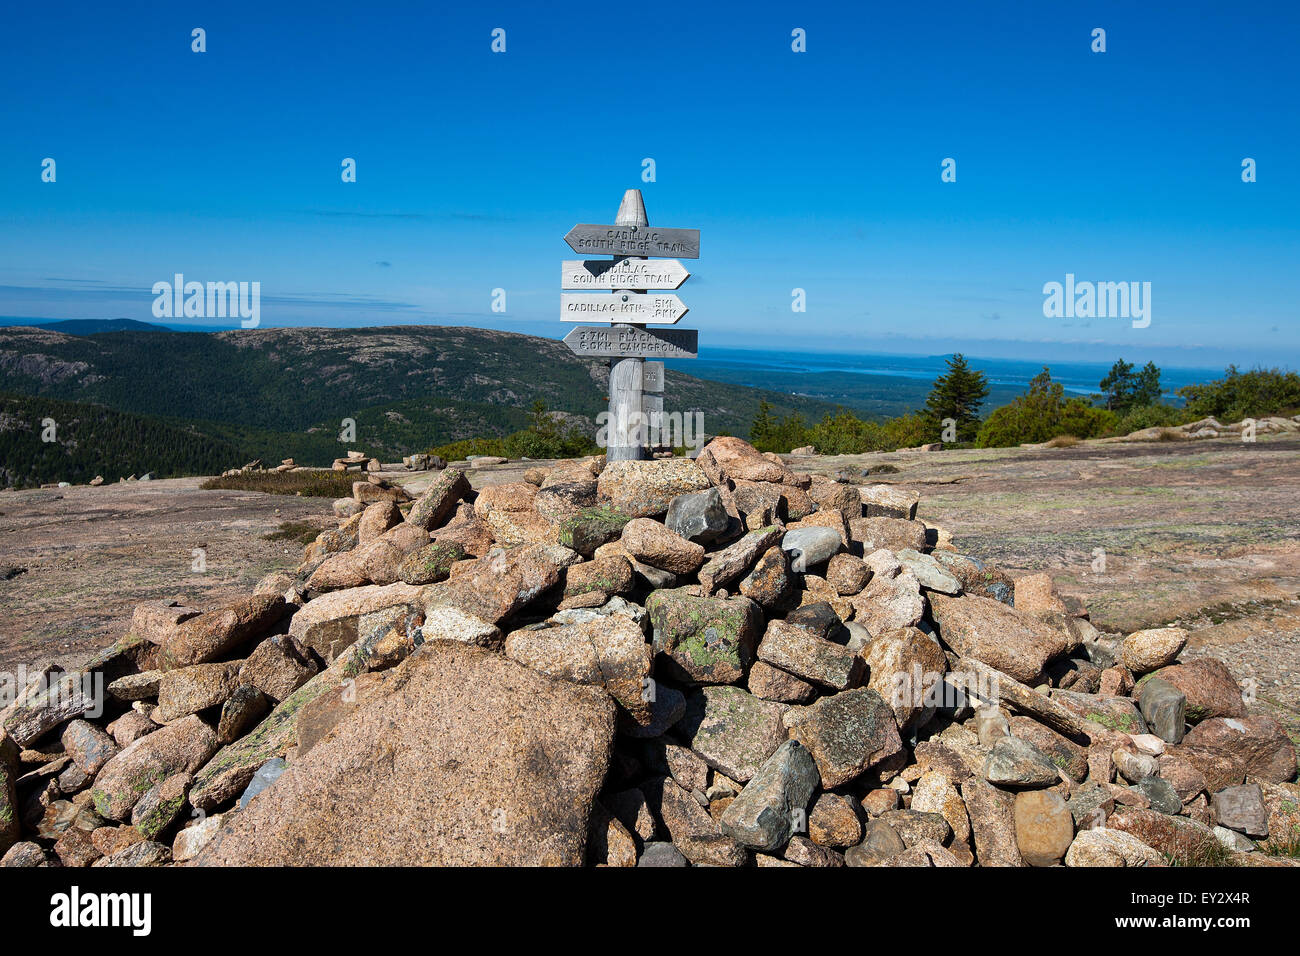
{"points": [[634, 241], [621, 307], [622, 274], [622, 341]]}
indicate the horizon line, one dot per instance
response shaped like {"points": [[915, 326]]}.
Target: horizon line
{"points": [[7, 321]]}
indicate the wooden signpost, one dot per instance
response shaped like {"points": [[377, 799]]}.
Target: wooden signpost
{"points": [[635, 386]]}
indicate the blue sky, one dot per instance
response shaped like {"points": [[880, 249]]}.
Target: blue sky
{"points": [[816, 170]]}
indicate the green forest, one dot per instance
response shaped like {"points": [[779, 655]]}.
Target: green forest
{"points": [[44, 440]]}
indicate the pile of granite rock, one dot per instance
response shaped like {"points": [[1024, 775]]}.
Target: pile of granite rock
{"points": [[1212, 428], [256, 466], [716, 661]]}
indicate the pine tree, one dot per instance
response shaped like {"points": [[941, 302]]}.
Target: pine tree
{"points": [[761, 431], [1146, 389], [1124, 389], [1117, 386], [958, 394]]}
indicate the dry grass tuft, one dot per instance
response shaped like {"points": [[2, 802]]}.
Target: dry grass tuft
{"points": [[1199, 851], [312, 484]]}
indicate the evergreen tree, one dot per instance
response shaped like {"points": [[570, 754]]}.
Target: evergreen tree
{"points": [[1117, 386], [760, 432], [958, 394], [1146, 389], [788, 433], [1124, 389]]}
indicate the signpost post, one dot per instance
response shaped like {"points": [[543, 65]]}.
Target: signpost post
{"points": [[653, 376], [635, 386], [652, 395]]}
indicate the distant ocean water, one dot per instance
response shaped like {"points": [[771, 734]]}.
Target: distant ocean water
{"points": [[1080, 378]]}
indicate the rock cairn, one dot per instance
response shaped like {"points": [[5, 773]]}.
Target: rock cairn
{"points": [[257, 467], [423, 462], [651, 663], [356, 461]]}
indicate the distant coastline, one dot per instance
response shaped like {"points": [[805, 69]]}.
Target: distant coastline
{"points": [[755, 366], [884, 383]]}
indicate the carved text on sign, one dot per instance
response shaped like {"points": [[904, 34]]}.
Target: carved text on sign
{"points": [[625, 341], [621, 307]]}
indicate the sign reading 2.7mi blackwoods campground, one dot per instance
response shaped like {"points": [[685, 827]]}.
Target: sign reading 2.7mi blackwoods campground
{"points": [[625, 303]]}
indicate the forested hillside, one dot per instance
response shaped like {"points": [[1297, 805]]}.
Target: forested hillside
{"points": [[89, 440], [279, 393]]}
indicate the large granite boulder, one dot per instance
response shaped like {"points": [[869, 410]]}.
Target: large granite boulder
{"points": [[329, 623], [847, 734], [438, 502], [698, 515], [209, 636], [181, 747], [421, 773], [503, 582], [732, 458], [608, 652], [993, 634], [644, 489], [1227, 750], [906, 668], [1208, 685], [732, 730], [704, 640]]}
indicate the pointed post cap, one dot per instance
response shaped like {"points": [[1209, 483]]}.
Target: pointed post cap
{"points": [[631, 211]]}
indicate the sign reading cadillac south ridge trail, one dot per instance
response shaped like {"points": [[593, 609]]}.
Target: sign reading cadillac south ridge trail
{"points": [[624, 301], [622, 274], [622, 307], [634, 240]]}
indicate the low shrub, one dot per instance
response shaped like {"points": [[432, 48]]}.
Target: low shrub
{"points": [[310, 483], [1254, 394]]}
